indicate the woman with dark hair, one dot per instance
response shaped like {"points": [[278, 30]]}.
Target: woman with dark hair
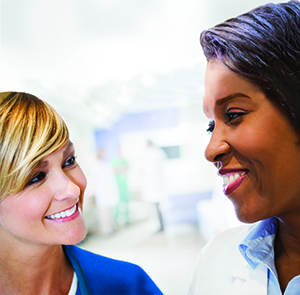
{"points": [[252, 97], [41, 198]]}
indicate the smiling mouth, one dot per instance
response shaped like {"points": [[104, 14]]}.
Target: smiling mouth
{"points": [[231, 181], [63, 214]]}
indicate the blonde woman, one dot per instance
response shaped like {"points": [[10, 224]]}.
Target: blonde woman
{"points": [[41, 195]]}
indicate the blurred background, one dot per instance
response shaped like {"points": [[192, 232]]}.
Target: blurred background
{"points": [[127, 76]]}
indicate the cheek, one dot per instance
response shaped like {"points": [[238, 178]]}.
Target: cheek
{"points": [[22, 210], [251, 141], [80, 180], [37, 206]]}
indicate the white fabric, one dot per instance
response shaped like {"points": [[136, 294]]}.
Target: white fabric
{"points": [[221, 269], [74, 285], [216, 214], [105, 186], [153, 184]]}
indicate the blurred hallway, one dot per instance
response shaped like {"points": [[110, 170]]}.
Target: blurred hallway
{"points": [[168, 257]]}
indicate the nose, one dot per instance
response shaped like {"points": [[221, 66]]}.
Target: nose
{"points": [[65, 188], [217, 147]]}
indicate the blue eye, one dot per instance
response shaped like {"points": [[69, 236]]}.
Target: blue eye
{"points": [[211, 127], [70, 162], [37, 178]]}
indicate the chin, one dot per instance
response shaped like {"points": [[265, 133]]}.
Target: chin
{"points": [[76, 236], [247, 217]]}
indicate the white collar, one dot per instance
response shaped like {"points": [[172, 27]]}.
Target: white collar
{"points": [[74, 284]]}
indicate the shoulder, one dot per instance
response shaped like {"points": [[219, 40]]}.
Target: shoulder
{"points": [[113, 276], [92, 261], [217, 260]]}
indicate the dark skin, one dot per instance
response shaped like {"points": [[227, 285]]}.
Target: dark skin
{"points": [[240, 111], [287, 251]]}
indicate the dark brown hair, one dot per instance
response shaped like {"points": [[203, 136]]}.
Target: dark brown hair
{"points": [[263, 46]]}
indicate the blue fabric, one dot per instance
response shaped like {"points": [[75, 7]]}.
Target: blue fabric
{"points": [[99, 275], [258, 247]]}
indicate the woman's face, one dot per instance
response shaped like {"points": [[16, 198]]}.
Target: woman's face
{"points": [[253, 146], [48, 210]]}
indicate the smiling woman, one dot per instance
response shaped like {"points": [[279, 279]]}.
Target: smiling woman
{"points": [[252, 98], [42, 190]]}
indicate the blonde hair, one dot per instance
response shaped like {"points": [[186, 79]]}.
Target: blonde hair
{"points": [[30, 129]]}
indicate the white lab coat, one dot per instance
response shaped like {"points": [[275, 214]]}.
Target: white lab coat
{"points": [[153, 184], [105, 186], [222, 270], [106, 193]]}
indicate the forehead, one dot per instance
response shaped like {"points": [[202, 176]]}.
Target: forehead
{"points": [[221, 84]]}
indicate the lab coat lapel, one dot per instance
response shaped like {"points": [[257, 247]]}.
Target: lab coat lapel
{"points": [[249, 281]]}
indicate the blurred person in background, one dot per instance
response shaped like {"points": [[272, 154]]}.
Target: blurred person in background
{"points": [[106, 193], [153, 184], [41, 198], [252, 97], [121, 167]]}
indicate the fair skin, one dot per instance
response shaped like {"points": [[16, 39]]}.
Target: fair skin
{"points": [[34, 224], [255, 150]]}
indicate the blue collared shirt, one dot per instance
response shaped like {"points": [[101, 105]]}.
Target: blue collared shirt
{"points": [[258, 247]]}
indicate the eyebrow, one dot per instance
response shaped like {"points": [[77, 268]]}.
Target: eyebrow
{"points": [[69, 146], [230, 97], [42, 164]]}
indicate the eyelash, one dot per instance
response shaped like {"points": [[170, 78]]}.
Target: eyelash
{"points": [[211, 127], [231, 116], [40, 176], [37, 178], [73, 161]]}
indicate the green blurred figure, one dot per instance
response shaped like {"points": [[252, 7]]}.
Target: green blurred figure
{"points": [[121, 167]]}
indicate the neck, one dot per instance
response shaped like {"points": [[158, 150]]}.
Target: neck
{"points": [[288, 237], [34, 269], [287, 252]]}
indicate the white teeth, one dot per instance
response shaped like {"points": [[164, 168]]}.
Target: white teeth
{"points": [[70, 212], [228, 179], [63, 214]]}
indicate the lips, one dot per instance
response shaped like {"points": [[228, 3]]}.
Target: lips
{"points": [[232, 179]]}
